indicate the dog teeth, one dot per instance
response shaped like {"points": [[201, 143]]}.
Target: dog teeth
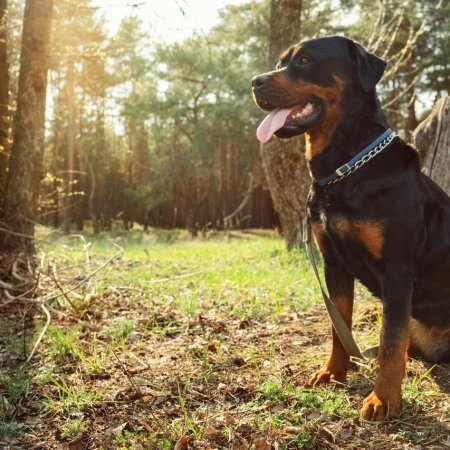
{"points": [[309, 107], [306, 110]]}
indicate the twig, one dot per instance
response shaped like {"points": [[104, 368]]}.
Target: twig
{"points": [[87, 278], [55, 279], [177, 277], [41, 334], [85, 246]]}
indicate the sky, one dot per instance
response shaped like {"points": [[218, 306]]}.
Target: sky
{"points": [[171, 20]]}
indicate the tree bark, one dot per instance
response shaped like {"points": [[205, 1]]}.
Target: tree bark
{"points": [[432, 139], [284, 161], [4, 97], [68, 200], [25, 168], [100, 218]]}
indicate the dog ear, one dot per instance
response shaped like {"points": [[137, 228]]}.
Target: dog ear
{"points": [[369, 68]]}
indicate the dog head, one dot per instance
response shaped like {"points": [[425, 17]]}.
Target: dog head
{"points": [[313, 86]]}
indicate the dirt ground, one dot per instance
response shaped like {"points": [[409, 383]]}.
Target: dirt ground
{"points": [[125, 366]]}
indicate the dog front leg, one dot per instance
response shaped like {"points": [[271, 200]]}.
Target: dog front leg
{"points": [[340, 286], [385, 400]]}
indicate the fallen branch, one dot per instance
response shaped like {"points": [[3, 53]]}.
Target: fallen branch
{"points": [[44, 302], [41, 334]]}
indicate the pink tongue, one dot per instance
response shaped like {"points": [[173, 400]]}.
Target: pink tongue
{"points": [[273, 122]]}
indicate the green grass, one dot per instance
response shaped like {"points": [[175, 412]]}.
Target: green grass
{"points": [[119, 330], [63, 343], [272, 390], [191, 272], [73, 427], [14, 388], [70, 399]]}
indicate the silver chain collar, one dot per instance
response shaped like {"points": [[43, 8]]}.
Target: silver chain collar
{"points": [[366, 158]]}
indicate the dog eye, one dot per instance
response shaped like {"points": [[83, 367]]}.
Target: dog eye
{"points": [[303, 61]]}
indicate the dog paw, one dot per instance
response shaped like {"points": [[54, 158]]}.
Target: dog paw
{"points": [[379, 407], [325, 376]]}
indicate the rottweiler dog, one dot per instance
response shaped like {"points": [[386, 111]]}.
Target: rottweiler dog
{"points": [[385, 223]]}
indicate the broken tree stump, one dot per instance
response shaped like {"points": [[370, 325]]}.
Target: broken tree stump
{"points": [[432, 139]]}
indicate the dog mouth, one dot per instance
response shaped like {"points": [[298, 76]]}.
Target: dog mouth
{"points": [[286, 122]]}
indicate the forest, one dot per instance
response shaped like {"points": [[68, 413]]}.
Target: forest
{"points": [[140, 131], [153, 290]]}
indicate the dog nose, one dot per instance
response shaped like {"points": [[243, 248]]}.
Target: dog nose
{"points": [[259, 80]]}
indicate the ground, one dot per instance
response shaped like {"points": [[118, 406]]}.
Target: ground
{"points": [[183, 343]]}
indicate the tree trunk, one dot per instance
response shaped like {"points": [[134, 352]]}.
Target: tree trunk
{"points": [[284, 161], [432, 139], [22, 186], [4, 97], [100, 217], [68, 200], [55, 166]]}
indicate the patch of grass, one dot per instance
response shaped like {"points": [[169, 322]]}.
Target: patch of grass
{"points": [[222, 271], [63, 343], [119, 329], [16, 345], [13, 388], [70, 399], [327, 401], [272, 390], [302, 440], [72, 427], [10, 428], [132, 439], [44, 375], [94, 363], [187, 419]]}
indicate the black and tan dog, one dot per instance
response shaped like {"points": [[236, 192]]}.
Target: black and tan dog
{"points": [[384, 223]]}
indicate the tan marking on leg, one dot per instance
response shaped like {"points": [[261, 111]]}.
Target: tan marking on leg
{"points": [[338, 363], [385, 400]]}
